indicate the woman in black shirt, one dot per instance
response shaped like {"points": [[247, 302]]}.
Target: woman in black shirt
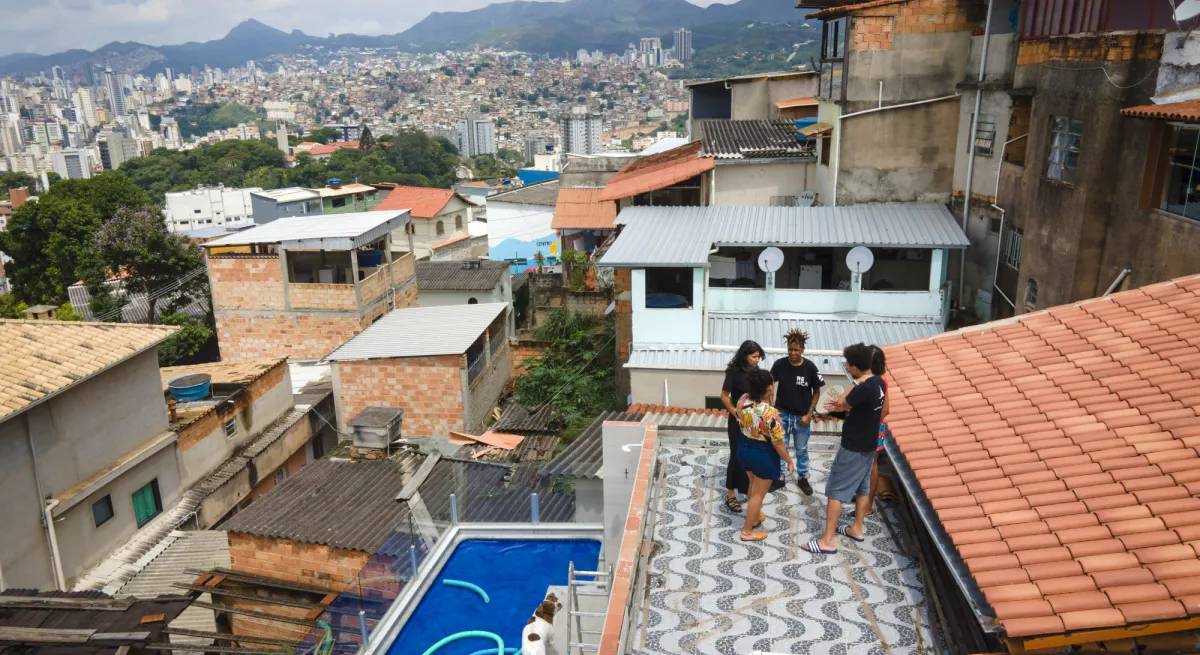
{"points": [[735, 386]]}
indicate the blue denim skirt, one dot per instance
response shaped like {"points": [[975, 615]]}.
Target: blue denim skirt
{"points": [[759, 458]]}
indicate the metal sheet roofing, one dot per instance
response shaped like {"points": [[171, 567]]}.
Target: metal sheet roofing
{"points": [[751, 139], [335, 232], [541, 193], [519, 419], [695, 358], [421, 332], [460, 275], [584, 457], [289, 194], [336, 503], [824, 333], [683, 236]]}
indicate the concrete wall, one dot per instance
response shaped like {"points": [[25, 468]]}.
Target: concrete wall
{"points": [[486, 389], [24, 552], [1180, 67], [755, 99], [667, 325], [899, 155], [618, 486], [753, 184], [441, 298], [589, 500], [686, 388], [430, 390]]}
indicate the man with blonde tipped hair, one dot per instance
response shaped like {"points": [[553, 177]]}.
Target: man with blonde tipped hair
{"points": [[797, 389]]}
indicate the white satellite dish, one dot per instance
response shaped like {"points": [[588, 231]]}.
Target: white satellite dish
{"points": [[806, 199], [770, 260], [1187, 10], [860, 259]]}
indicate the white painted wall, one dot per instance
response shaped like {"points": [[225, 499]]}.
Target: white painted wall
{"points": [[207, 207], [667, 325]]}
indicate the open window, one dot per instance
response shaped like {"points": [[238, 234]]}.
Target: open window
{"points": [[1066, 138], [669, 288], [1178, 178]]}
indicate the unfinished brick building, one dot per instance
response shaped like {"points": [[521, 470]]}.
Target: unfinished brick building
{"points": [[301, 286]]}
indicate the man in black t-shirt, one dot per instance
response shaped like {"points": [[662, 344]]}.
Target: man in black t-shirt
{"points": [[797, 388], [850, 475]]}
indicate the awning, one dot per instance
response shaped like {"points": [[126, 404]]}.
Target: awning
{"points": [[658, 172], [792, 103], [1187, 111], [816, 129]]}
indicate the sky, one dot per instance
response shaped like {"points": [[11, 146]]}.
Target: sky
{"points": [[49, 26]]}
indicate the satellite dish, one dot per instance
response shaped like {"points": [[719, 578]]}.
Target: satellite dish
{"points": [[860, 259], [809, 198], [1187, 10], [770, 260]]}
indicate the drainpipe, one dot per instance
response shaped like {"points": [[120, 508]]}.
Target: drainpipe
{"points": [[1120, 278], [837, 160], [47, 508], [962, 257], [1003, 216]]}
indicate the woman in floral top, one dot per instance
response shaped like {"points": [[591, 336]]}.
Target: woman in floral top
{"points": [[761, 447]]}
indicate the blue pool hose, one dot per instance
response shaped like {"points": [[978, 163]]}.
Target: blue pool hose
{"points": [[465, 635], [467, 585], [493, 651]]}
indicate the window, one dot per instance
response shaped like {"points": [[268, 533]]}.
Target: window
{"points": [[994, 226], [472, 301], [833, 44], [195, 211], [458, 222], [147, 504], [318, 448], [668, 288], [1181, 193], [102, 510], [783, 201], [280, 476], [1012, 247], [985, 136], [440, 229], [1018, 126], [1031, 295], [1066, 135], [339, 202], [230, 427]]}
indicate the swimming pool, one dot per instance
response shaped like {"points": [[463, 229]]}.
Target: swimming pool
{"points": [[514, 573]]}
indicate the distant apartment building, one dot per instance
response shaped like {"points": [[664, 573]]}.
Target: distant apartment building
{"points": [[476, 136], [649, 44], [347, 132], [300, 286], [207, 207], [537, 144], [338, 198], [279, 203], [72, 164], [582, 132], [116, 93], [116, 149], [170, 133]]}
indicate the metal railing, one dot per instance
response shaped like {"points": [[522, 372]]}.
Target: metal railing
{"points": [[641, 571]]}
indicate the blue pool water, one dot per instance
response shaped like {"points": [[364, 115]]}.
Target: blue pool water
{"points": [[515, 575]]}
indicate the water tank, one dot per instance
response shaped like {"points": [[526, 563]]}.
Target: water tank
{"points": [[196, 386], [335, 182]]}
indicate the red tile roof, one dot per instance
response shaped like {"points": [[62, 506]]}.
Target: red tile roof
{"points": [[582, 209], [1059, 451], [423, 201], [647, 408], [657, 171], [1188, 110], [454, 239], [321, 149]]}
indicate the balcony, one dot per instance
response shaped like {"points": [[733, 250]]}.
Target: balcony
{"points": [[820, 301]]}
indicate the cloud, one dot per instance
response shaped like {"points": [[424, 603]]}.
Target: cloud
{"points": [[49, 27]]}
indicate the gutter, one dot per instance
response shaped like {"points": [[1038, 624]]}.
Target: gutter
{"points": [[962, 257], [837, 162], [47, 507]]}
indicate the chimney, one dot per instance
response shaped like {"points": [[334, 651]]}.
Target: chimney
{"points": [[373, 430], [18, 197]]}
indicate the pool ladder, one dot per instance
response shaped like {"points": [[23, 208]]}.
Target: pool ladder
{"points": [[598, 585]]}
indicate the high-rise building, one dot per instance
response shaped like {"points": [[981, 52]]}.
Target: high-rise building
{"points": [[143, 119], [649, 43], [71, 164], [85, 107], [10, 104], [281, 138], [116, 149], [116, 93], [58, 73], [537, 144], [171, 133], [582, 132], [476, 136], [683, 44], [10, 137]]}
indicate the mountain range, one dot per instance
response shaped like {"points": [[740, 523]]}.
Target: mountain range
{"points": [[537, 27]]}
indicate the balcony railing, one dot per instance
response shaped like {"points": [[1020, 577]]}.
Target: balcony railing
{"points": [[808, 301]]}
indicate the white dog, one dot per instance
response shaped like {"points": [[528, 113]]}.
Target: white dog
{"points": [[536, 637]]}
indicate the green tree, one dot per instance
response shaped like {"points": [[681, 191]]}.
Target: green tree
{"points": [[136, 242], [323, 135], [185, 343], [14, 180], [366, 140], [575, 375], [67, 313], [48, 241], [11, 307]]}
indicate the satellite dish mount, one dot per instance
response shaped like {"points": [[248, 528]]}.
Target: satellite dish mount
{"points": [[859, 260], [770, 260]]}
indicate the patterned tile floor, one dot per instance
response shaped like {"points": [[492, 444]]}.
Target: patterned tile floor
{"points": [[712, 593]]}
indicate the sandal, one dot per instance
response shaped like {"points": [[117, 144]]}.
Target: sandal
{"points": [[814, 547], [732, 503], [842, 530], [754, 536]]}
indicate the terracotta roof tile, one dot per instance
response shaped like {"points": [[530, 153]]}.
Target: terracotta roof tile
{"points": [[1187, 111], [657, 171], [582, 209], [1073, 433], [423, 202]]}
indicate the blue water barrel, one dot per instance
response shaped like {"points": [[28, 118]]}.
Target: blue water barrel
{"points": [[370, 258], [196, 386]]}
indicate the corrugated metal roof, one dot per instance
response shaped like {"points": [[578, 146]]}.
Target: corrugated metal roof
{"points": [[332, 502], [421, 332], [289, 194], [461, 275], [683, 236], [751, 139], [129, 619], [519, 419], [540, 193], [584, 457], [731, 329], [336, 232], [695, 358]]}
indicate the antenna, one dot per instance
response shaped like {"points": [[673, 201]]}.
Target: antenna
{"points": [[806, 198], [1187, 10], [860, 259], [770, 260]]}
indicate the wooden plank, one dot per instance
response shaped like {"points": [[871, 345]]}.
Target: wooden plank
{"points": [[223, 636], [153, 618], [263, 615], [121, 636], [418, 478], [95, 604], [213, 649], [241, 595], [45, 635], [264, 581]]}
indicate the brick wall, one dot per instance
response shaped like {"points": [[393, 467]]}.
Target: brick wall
{"points": [[403, 269], [216, 418], [1092, 48], [486, 389], [623, 315], [407, 296], [245, 335], [245, 282], [873, 28], [522, 350], [335, 297], [374, 287], [428, 389], [874, 32]]}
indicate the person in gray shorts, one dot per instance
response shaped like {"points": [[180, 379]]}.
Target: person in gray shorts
{"points": [[850, 476]]}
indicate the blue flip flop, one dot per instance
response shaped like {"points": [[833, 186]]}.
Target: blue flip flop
{"points": [[815, 548], [842, 531]]}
